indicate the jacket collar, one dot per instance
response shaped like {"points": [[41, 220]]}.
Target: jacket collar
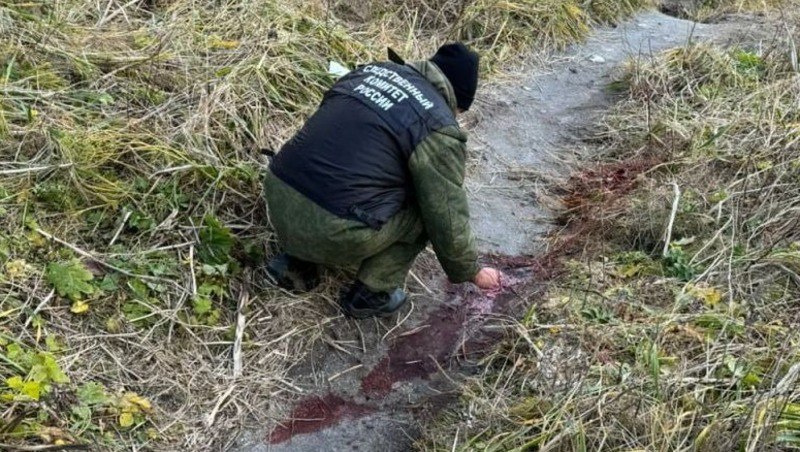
{"points": [[437, 78]]}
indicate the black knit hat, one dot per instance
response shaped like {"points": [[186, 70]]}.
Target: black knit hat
{"points": [[460, 66]]}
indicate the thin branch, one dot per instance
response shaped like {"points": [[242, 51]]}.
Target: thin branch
{"points": [[244, 298], [33, 169], [668, 234]]}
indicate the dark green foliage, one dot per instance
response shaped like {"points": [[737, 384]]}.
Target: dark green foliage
{"points": [[676, 264], [70, 279], [216, 242]]}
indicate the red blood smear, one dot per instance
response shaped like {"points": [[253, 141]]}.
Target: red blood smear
{"points": [[317, 413], [416, 356], [419, 355]]}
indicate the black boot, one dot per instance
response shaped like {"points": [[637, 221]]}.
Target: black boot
{"points": [[360, 303], [293, 274]]}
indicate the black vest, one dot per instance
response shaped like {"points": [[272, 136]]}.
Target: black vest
{"points": [[351, 156]]}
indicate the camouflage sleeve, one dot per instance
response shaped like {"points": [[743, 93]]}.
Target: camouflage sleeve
{"points": [[437, 168]]}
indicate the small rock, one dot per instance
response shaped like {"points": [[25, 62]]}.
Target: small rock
{"points": [[597, 59], [526, 88], [573, 70]]}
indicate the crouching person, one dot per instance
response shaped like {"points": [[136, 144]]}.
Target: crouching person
{"points": [[375, 175]]}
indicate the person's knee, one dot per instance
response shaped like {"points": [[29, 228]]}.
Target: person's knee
{"points": [[407, 226]]}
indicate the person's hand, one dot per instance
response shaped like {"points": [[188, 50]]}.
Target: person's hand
{"points": [[488, 278]]}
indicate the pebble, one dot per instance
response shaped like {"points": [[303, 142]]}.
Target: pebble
{"points": [[597, 59]]}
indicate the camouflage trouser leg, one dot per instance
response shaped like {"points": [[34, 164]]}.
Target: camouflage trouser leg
{"points": [[387, 270], [309, 232]]}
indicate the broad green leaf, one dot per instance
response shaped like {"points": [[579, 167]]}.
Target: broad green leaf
{"points": [[109, 283], [751, 380], [139, 288], [13, 351], [52, 343], [216, 242], [70, 279], [46, 369], [135, 311], [209, 289], [32, 389], [82, 412], [214, 270], [202, 305], [14, 382], [92, 393]]}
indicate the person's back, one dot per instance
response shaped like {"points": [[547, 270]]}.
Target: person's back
{"points": [[374, 175], [351, 157]]}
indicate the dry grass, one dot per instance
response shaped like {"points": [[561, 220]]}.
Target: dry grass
{"points": [[130, 213], [714, 10], [692, 347]]}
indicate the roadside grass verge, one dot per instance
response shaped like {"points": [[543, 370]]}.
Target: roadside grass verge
{"points": [[713, 10], [131, 226], [676, 326]]}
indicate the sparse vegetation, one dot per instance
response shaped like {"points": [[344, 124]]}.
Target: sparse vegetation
{"points": [[713, 10], [647, 345]]}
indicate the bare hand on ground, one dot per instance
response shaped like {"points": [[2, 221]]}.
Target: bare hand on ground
{"points": [[488, 278]]}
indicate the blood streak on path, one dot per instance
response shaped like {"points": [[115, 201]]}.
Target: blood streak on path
{"points": [[413, 356], [317, 413], [421, 355]]}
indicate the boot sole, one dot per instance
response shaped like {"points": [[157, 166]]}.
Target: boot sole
{"points": [[367, 313], [361, 314]]}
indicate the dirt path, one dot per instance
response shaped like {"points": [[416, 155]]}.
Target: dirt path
{"points": [[371, 388]]}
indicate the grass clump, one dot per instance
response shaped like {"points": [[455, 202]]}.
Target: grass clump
{"points": [[499, 30], [609, 11], [496, 25], [655, 343], [712, 10], [129, 146]]}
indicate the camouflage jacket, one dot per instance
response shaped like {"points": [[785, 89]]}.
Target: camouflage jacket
{"points": [[437, 168]]}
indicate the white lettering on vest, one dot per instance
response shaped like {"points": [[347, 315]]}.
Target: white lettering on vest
{"points": [[394, 85], [375, 96]]}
